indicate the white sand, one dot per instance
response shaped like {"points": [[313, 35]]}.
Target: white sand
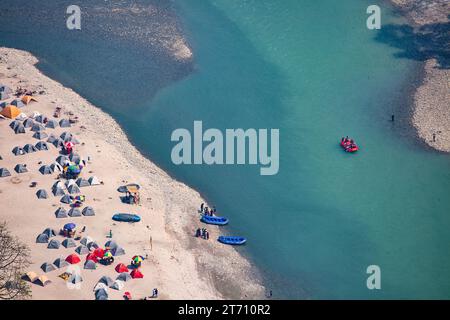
{"points": [[179, 265]]}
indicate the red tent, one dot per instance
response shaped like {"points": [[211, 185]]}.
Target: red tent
{"points": [[121, 268], [73, 259], [92, 256], [99, 253], [136, 274]]}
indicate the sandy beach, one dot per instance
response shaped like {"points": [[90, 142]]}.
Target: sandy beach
{"points": [[179, 265], [431, 116]]}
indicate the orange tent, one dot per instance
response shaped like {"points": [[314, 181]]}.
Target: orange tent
{"points": [[28, 99], [11, 111]]}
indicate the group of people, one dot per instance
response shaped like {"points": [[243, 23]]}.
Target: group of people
{"points": [[348, 144], [202, 233], [207, 211]]}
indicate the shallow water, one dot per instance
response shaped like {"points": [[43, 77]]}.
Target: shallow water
{"points": [[312, 70]]}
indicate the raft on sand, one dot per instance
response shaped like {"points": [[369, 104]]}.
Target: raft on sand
{"points": [[218, 221], [235, 241], [126, 217]]}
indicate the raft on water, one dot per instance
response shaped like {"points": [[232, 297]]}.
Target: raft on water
{"points": [[126, 217], [235, 241], [218, 221]]}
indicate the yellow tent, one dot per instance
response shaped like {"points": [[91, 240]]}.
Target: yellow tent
{"points": [[28, 99], [11, 111], [43, 281], [30, 276]]}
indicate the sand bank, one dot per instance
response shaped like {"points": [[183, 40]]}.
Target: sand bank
{"points": [[431, 116], [179, 265]]}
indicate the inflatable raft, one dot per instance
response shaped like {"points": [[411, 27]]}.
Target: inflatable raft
{"points": [[348, 146], [235, 241], [126, 217], [218, 221]]}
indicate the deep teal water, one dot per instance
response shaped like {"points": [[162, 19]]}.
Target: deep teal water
{"points": [[311, 69]]}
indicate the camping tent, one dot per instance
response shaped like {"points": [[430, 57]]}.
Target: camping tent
{"points": [[54, 244], [30, 276], [66, 136], [92, 257], [27, 99], [57, 192], [62, 160], [64, 123], [52, 124], [106, 280], [22, 116], [61, 213], [50, 232], [66, 199], [111, 244], [100, 285], [124, 277], [73, 189], [69, 182], [41, 118], [10, 112], [55, 166], [4, 95], [58, 143], [42, 281], [6, 89], [4, 173], [14, 124], [42, 194], [69, 243], [118, 285], [29, 148], [19, 129], [82, 250], [86, 240], [136, 274], [37, 127], [40, 135], [93, 181], [51, 139], [42, 238], [75, 278], [58, 184], [18, 103], [82, 183], [118, 251], [92, 245], [18, 151], [28, 123], [88, 212], [41, 146], [47, 267], [73, 259], [75, 158], [90, 265], [74, 212], [21, 168], [60, 263], [101, 294], [121, 268], [45, 170]]}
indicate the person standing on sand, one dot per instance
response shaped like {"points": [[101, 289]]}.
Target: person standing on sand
{"points": [[201, 207], [434, 137]]}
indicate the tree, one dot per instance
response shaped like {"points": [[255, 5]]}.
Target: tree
{"points": [[14, 259]]}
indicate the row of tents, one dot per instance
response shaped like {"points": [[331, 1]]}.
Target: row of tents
{"points": [[29, 148]]}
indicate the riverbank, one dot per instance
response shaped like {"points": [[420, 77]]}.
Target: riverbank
{"points": [[431, 116], [179, 265]]}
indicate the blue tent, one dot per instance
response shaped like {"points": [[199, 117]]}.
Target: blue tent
{"points": [[70, 226]]}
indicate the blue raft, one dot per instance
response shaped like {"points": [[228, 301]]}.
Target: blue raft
{"points": [[235, 241], [218, 221], [126, 217]]}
